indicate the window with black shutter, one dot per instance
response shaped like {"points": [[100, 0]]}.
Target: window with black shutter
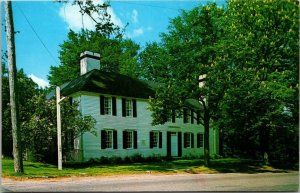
{"points": [[173, 116], [188, 140], [109, 139], [129, 139], [200, 141], [155, 139]]}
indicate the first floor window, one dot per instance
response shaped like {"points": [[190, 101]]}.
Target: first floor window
{"points": [[200, 140], [109, 139], [129, 139], [188, 140], [155, 139]]}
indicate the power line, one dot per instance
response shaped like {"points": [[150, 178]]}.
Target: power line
{"points": [[147, 5], [38, 36]]}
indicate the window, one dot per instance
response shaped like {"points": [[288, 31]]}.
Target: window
{"points": [[129, 139], [109, 139], [186, 115], [188, 140], [107, 105], [128, 107], [155, 139], [172, 116], [200, 140]]}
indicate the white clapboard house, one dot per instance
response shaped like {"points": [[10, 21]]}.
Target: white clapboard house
{"points": [[123, 120]]}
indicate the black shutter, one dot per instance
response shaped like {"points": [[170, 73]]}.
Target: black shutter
{"points": [[168, 143], [103, 137], [198, 140], [184, 115], [160, 139], [123, 107], [198, 117], [192, 140], [192, 116], [114, 106], [124, 139], [173, 116], [115, 136], [134, 107], [179, 145], [151, 139], [102, 105], [184, 140], [135, 139]]}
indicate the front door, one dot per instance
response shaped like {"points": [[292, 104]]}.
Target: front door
{"points": [[174, 144]]}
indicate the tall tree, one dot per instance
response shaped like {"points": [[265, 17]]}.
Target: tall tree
{"points": [[13, 89], [188, 50], [117, 55], [260, 104]]}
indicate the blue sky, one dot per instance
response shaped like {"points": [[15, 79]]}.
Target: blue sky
{"points": [[43, 26]]}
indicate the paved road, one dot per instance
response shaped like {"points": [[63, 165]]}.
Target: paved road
{"points": [[150, 182]]}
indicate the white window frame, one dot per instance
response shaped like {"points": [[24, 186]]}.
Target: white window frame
{"points": [[130, 139], [155, 139], [129, 108], [109, 141], [107, 105]]}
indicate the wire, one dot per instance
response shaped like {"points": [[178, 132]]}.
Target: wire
{"points": [[37, 35], [147, 5]]}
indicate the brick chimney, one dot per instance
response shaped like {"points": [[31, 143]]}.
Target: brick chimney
{"points": [[89, 61]]}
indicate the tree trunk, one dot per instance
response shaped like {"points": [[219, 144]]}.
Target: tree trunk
{"points": [[13, 90]]}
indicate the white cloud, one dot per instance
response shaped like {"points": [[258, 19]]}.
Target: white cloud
{"points": [[138, 32], [134, 16], [71, 15], [41, 82]]}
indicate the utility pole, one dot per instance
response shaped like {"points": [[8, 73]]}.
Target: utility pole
{"points": [[58, 116], [13, 89]]}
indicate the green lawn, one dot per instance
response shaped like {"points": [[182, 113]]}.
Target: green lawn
{"points": [[40, 170]]}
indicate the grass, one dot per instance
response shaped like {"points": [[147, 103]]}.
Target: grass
{"points": [[193, 166]]}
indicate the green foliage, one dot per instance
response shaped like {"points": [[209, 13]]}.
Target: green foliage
{"points": [[249, 53], [117, 55], [40, 134]]}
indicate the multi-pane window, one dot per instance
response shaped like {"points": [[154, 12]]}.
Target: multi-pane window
{"points": [[109, 139], [155, 139], [200, 140], [128, 107], [107, 105], [188, 140], [129, 139]]}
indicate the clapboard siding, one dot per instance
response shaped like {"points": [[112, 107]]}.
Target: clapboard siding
{"points": [[91, 145]]}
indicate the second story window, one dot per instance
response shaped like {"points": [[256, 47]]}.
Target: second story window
{"points": [[107, 105], [128, 107], [186, 115]]}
